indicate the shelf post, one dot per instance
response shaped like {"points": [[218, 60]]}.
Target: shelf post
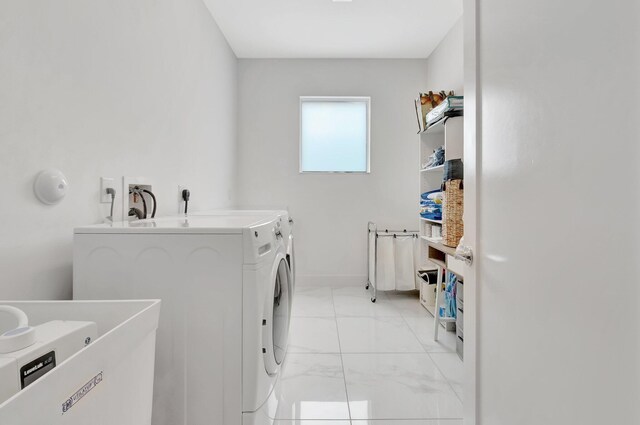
{"points": [[436, 315]]}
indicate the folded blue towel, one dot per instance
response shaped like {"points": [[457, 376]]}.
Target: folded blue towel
{"points": [[425, 195], [431, 215], [429, 202]]}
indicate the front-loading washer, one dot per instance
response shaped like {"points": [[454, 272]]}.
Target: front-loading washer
{"points": [[286, 226], [225, 286]]}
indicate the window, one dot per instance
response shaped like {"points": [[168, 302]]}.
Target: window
{"points": [[334, 134]]}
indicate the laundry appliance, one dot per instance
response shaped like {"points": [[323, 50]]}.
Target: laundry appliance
{"points": [[285, 225], [29, 352], [77, 362], [225, 286]]}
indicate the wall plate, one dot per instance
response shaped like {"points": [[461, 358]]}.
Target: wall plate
{"points": [[126, 182], [105, 183]]}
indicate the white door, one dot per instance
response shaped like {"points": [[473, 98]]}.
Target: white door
{"points": [[472, 160], [555, 180]]}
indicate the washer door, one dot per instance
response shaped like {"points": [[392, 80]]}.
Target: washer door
{"points": [[292, 263], [277, 312]]}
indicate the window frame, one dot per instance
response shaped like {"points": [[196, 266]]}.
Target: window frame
{"points": [[305, 99]]}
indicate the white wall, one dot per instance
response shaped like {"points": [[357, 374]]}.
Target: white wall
{"points": [[445, 66], [330, 210], [558, 323], [106, 88]]}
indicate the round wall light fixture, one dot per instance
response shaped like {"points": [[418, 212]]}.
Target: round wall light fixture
{"points": [[50, 186]]}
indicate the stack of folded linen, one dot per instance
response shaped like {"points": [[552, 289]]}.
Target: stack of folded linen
{"points": [[435, 159], [451, 106], [431, 205]]}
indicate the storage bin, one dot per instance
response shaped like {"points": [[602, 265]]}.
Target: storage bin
{"points": [[108, 382], [453, 170], [453, 208], [428, 287], [428, 293]]}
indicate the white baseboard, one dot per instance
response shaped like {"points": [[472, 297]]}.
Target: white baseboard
{"points": [[331, 280]]}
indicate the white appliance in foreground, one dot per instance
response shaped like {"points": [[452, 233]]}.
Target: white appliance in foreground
{"points": [[108, 381], [53, 342], [285, 225], [225, 286]]}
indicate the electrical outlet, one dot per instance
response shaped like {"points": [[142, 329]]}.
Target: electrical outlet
{"points": [[106, 183]]}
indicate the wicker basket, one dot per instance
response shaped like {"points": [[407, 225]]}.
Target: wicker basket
{"points": [[453, 207]]}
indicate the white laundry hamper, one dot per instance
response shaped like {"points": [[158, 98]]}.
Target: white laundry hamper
{"points": [[391, 260], [108, 382]]}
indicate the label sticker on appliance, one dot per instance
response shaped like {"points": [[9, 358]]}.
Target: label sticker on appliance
{"points": [[71, 401], [33, 370]]}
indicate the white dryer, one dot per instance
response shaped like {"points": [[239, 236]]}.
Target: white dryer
{"points": [[286, 227], [225, 286]]}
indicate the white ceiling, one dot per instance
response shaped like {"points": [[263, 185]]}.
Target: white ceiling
{"points": [[327, 29]]}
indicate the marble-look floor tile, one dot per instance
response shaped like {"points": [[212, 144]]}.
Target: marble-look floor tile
{"points": [[398, 386], [350, 302], [408, 304], [313, 335], [377, 335], [312, 387], [319, 422], [452, 368], [407, 422], [422, 326], [359, 291], [312, 301]]}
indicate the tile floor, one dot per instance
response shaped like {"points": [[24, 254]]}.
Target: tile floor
{"points": [[353, 362]]}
